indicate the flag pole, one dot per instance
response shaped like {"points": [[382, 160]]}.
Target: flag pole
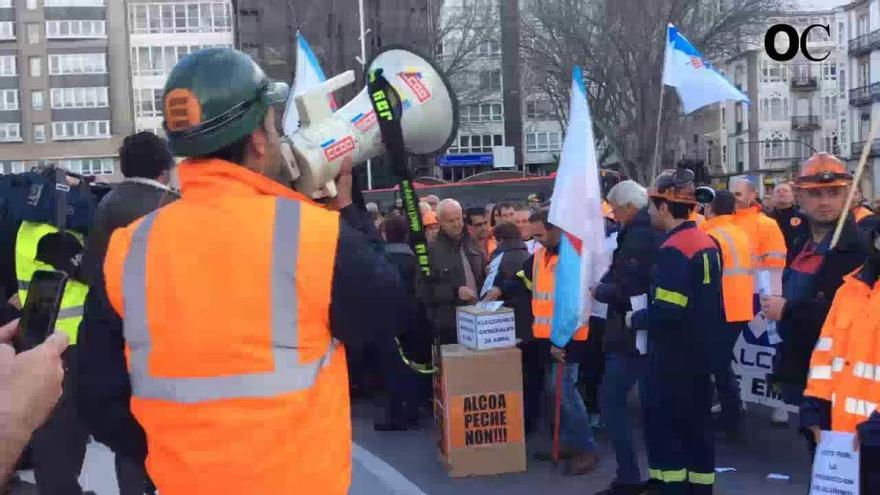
{"points": [[656, 168], [856, 178], [657, 136], [364, 65]]}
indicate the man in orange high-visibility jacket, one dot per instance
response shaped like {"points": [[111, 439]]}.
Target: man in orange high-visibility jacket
{"points": [[538, 278], [769, 253], [234, 299], [843, 389], [737, 290]]}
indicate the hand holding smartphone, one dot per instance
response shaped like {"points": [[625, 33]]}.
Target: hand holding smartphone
{"points": [[40, 309]]}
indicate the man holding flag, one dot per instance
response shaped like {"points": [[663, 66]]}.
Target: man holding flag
{"points": [[576, 209], [683, 315]]}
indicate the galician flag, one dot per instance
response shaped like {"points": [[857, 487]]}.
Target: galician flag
{"points": [[308, 75], [576, 208], [698, 83]]}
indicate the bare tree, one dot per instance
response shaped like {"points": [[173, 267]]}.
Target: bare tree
{"points": [[620, 44], [464, 39]]}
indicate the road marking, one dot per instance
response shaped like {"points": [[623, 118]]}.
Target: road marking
{"points": [[395, 481]]}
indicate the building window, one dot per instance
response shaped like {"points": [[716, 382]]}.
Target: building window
{"points": [[89, 166], [13, 167], [829, 107], [7, 66], [485, 112], [829, 70], [8, 99], [489, 48], [74, 3], [476, 144], [539, 110], [75, 29], [776, 147], [775, 108], [180, 17], [78, 63], [538, 142], [84, 129], [36, 65], [724, 154], [80, 98], [5, 3], [773, 72], [7, 30], [32, 4], [33, 33], [37, 100], [490, 80], [832, 144], [10, 133], [148, 102], [159, 60], [39, 133]]}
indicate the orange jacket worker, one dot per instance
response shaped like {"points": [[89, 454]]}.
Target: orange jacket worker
{"points": [[235, 298]]}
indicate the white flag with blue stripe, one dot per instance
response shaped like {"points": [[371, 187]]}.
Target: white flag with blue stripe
{"points": [[308, 75], [576, 208], [698, 83]]}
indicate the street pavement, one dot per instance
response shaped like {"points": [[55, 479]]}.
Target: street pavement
{"points": [[406, 463]]}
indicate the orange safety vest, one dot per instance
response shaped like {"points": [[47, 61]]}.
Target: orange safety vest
{"points": [[860, 213], [543, 286], [697, 218], [845, 367], [235, 378], [765, 237], [737, 280]]}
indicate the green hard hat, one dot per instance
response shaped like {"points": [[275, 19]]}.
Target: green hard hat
{"points": [[213, 98]]}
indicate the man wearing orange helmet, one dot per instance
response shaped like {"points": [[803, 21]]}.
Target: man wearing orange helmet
{"points": [[683, 316], [815, 270]]}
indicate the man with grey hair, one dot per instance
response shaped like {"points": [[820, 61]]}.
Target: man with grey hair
{"points": [[624, 290], [457, 271]]}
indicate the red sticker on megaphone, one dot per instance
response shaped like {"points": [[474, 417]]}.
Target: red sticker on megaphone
{"points": [[337, 149], [414, 81]]}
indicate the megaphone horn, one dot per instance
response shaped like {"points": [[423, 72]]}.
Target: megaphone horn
{"points": [[429, 122]]}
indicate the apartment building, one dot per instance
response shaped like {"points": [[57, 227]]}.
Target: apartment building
{"points": [[161, 32], [797, 107], [64, 89], [863, 21]]}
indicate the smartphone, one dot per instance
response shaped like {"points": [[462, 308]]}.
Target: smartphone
{"points": [[41, 309]]}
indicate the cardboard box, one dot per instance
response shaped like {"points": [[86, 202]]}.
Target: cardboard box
{"points": [[482, 328], [479, 410]]}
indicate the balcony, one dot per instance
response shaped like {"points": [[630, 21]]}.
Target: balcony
{"points": [[864, 43], [864, 95], [804, 83], [805, 122], [855, 150]]}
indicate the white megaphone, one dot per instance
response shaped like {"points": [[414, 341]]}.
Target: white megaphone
{"points": [[316, 150]]}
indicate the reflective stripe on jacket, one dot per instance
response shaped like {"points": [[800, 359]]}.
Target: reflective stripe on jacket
{"points": [[767, 241], [225, 296], [845, 365], [543, 284], [737, 280], [26, 243]]}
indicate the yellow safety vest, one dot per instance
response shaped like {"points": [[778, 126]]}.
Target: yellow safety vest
{"points": [[26, 242]]}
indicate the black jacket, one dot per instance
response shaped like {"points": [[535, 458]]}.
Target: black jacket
{"points": [[123, 205], [366, 293], [440, 290], [807, 316], [793, 226], [105, 413], [628, 276], [515, 255]]}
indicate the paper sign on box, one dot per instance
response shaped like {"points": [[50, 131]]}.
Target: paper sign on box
{"points": [[481, 329]]}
